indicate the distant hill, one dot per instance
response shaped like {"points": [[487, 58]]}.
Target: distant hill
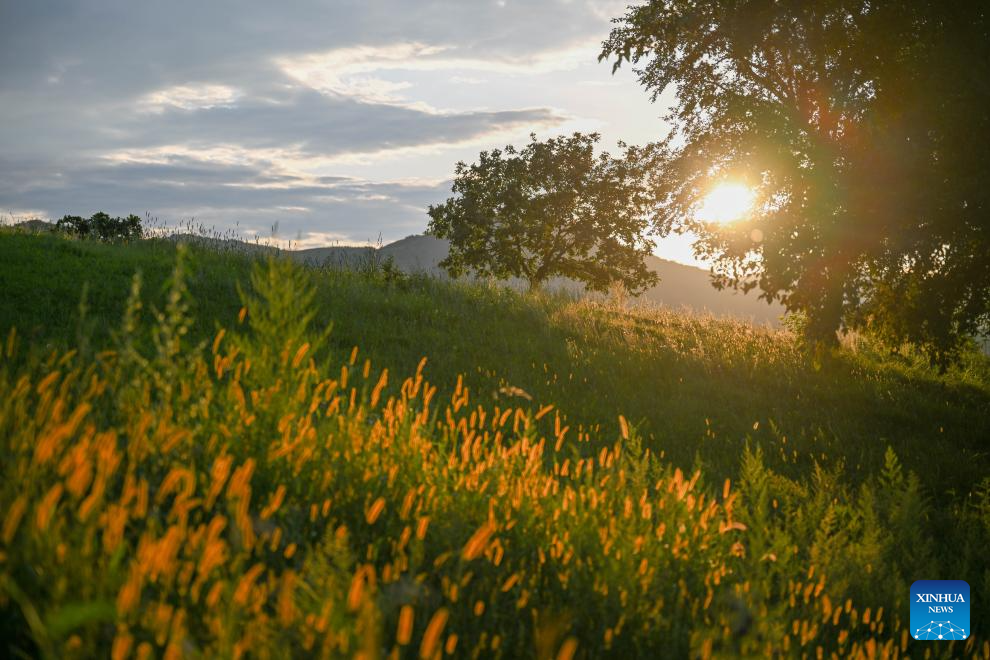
{"points": [[680, 287], [683, 286], [413, 254], [34, 225]]}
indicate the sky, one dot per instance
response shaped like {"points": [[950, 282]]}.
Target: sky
{"points": [[337, 122]]}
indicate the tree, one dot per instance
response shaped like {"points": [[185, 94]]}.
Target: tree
{"points": [[860, 124], [550, 209], [101, 226]]}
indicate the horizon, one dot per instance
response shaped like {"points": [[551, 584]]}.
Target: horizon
{"points": [[292, 245]]}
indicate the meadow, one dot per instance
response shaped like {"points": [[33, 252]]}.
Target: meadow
{"points": [[232, 456]]}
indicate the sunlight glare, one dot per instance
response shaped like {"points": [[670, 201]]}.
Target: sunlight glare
{"points": [[726, 203]]}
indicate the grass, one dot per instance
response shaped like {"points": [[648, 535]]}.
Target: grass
{"points": [[699, 486]]}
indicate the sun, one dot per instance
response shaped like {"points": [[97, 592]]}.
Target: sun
{"points": [[726, 203]]}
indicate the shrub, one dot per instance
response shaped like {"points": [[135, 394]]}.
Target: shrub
{"points": [[101, 226]]}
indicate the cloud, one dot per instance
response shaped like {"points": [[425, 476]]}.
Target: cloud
{"points": [[135, 47], [227, 195], [337, 119], [349, 71], [315, 124], [190, 97]]}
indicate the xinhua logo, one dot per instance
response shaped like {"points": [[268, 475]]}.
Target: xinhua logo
{"points": [[940, 610]]}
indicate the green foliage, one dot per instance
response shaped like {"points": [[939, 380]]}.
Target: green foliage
{"points": [[857, 123], [844, 482], [392, 274], [550, 209], [862, 545], [102, 227], [279, 307], [590, 358]]}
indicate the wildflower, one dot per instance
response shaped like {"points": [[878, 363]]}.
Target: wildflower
{"points": [[428, 647], [286, 607], [122, 643], [300, 354], [404, 631], [274, 503], [376, 510], [244, 586], [13, 518], [567, 649], [476, 544]]}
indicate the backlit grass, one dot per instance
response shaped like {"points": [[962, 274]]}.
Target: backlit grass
{"points": [[254, 487]]}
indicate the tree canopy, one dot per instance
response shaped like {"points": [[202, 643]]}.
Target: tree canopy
{"points": [[861, 126], [101, 226], [551, 209]]}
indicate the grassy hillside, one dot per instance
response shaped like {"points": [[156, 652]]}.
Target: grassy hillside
{"points": [[680, 286], [698, 485]]}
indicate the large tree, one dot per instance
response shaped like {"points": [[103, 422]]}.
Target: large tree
{"points": [[862, 126], [551, 209]]}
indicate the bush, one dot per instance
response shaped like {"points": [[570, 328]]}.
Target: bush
{"points": [[102, 227]]}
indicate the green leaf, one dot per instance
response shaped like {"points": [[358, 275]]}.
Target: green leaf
{"points": [[76, 615]]}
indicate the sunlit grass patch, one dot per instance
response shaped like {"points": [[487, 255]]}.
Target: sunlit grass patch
{"points": [[253, 493]]}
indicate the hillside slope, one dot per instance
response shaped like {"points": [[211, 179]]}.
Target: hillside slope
{"points": [[680, 287], [684, 379], [649, 478]]}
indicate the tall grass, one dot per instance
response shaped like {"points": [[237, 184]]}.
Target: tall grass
{"points": [[259, 492]]}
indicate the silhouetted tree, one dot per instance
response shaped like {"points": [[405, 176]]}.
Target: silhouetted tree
{"points": [[864, 127], [101, 226], [550, 209]]}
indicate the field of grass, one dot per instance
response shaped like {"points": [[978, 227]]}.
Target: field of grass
{"points": [[235, 456]]}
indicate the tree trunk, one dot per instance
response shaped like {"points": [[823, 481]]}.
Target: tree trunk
{"points": [[825, 319]]}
